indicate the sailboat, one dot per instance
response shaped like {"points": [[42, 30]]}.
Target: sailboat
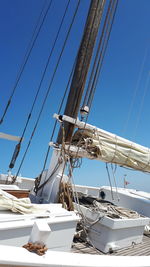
{"points": [[39, 230]]}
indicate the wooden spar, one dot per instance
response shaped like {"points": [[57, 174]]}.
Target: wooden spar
{"points": [[10, 137], [82, 65]]}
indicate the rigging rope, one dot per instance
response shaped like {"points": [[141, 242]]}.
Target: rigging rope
{"points": [[58, 112], [109, 180], [48, 90], [37, 181], [112, 16], [103, 51], [38, 186], [113, 172], [142, 102], [27, 54], [82, 74], [18, 146], [65, 188], [86, 52], [95, 61], [54, 128], [108, 23], [135, 91]]}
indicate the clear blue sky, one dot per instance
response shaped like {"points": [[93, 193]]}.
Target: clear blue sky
{"points": [[121, 104]]}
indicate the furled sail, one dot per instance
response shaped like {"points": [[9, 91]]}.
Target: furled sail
{"points": [[107, 147], [20, 205], [95, 143]]}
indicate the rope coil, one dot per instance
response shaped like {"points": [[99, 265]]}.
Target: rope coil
{"points": [[36, 248]]}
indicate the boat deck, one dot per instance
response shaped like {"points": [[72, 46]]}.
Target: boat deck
{"points": [[142, 249]]}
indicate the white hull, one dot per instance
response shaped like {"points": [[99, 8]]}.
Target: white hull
{"points": [[56, 256], [20, 257]]}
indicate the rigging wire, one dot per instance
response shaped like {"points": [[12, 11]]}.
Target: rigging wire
{"points": [[27, 54], [84, 219], [53, 132], [18, 146], [71, 163], [82, 69], [38, 186], [83, 74], [135, 91], [142, 103], [97, 73], [96, 58], [102, 54], [59, 110], [63, 101], [109, 19], [48, 90], [109, 181], [114, 168], [86, 53]]}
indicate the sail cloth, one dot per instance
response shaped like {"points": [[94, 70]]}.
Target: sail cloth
{"points": [[20, 205], [107, 147]]}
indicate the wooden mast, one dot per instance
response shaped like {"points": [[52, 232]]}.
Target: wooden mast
{"points": [[82, 66]]}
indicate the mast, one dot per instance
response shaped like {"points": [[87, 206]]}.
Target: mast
{"points": [[50, 181], [82, 66]]}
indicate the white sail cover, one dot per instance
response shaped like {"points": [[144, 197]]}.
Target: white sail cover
{"points": [[20, 205], [107, 147]]}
